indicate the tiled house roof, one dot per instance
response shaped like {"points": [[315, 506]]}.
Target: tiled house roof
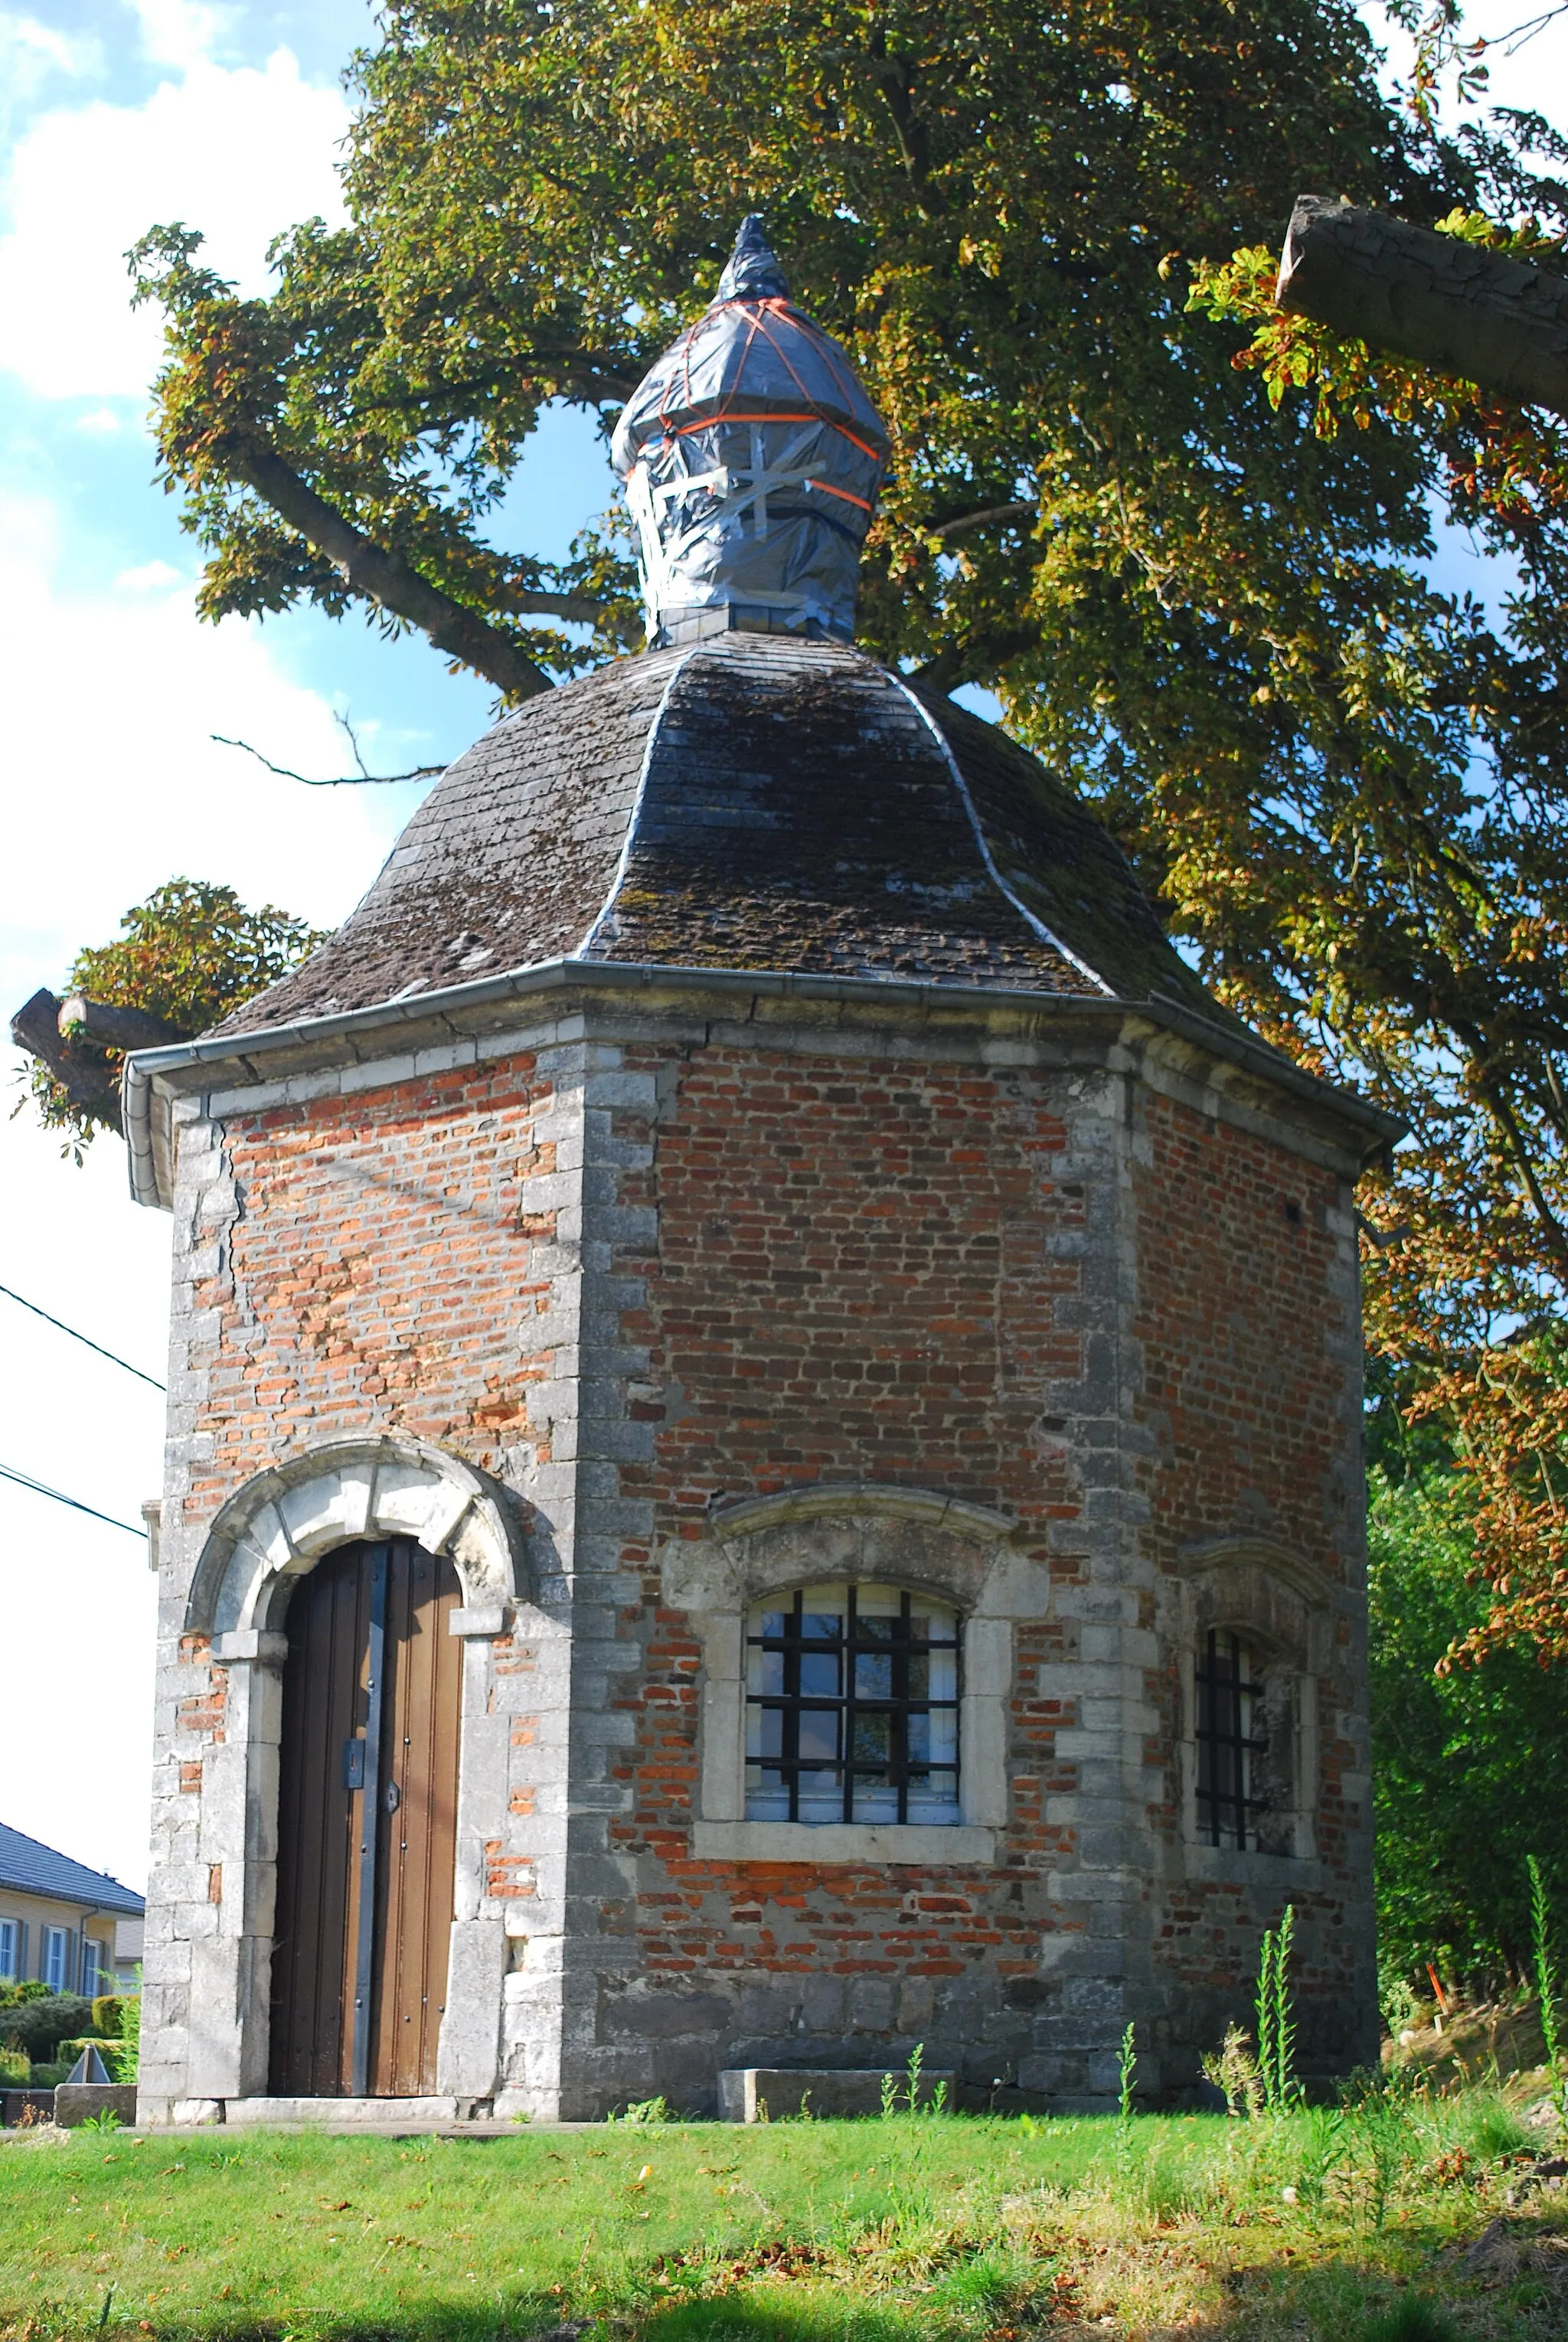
{"points": [[756, 802], [31, 1868]]}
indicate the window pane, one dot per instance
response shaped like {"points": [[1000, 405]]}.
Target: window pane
{"points": [[821, 1797], [874, 1674], [932, 1797], [872, 1738], [871, 1653], [765, 1671], [768, 1796], [884, 1604], [819, 1674], [819, 1730], [823, 1609], [764, 1732]]}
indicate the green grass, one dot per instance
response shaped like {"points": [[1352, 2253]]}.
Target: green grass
{"points": [[1343, 2225]]}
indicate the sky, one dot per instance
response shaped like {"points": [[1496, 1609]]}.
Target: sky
{"points": [[115, 114]]}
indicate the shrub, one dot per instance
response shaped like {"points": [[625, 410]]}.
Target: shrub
{"points": [[108, 2013], [39, 2021], [15, 2071], [47, 2077], [125, 2059]]}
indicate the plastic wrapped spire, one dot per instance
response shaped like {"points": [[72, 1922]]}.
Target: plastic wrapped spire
{"points": [[751, 457]]}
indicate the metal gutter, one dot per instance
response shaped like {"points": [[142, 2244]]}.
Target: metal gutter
{"points": [[252, 1049]]}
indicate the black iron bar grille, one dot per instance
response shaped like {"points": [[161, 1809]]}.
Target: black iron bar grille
{"points": [[1225, 1743], [852, 1706]]}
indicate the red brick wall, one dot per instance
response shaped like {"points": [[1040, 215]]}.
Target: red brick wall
{"points": [[1250, 1387], [861, 1271], [380, 1272], [852, 1282], [1243, 1335]]}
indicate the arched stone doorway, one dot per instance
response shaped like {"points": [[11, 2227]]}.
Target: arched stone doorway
{"points": [[240, 1624], [367, 1813]]}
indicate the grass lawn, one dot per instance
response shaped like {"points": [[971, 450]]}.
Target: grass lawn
{"points": [[1335, 2224]]}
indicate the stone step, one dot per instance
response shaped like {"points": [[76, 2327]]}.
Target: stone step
{"points": [[773, 2093]]}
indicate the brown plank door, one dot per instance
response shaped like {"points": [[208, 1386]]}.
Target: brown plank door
{"points": [[367, 1819]]}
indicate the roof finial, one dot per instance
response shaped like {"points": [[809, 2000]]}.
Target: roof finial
{"points": [[752, 272], [752, 457]]}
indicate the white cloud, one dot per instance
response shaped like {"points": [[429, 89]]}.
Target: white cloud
{"points": [[111, 694], [176, 32], [32, 52], [147, 577], [112, 698], [99, 423], [240, 154]]}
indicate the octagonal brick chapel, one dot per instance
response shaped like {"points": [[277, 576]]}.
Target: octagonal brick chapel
{"points": [[764, 1459]]}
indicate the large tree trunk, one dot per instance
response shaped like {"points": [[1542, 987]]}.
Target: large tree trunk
{"points": [[87, 1083], [113, 1027], [1448, 305]]}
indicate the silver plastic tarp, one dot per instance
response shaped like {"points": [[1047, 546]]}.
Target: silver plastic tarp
{"points": [[751, 459]]}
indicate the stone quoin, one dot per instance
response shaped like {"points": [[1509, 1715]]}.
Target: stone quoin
{"points": [[764, 1434]]}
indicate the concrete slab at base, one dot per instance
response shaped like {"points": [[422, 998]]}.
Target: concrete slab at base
{"points": [[342, 2114], [79, 2102], [770, 2093]]}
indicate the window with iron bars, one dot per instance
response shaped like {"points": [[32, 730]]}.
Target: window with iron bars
{"points": [[852, 1706], [1226, 1742]]}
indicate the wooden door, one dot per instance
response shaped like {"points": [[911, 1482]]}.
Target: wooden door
{"points": [[368, 1814]]}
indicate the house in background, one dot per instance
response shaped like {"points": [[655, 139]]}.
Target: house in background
{"points": [[74, 1928]]}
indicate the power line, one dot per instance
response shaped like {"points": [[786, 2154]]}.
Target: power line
{"points": [[39, 1489], [63, 1328]]}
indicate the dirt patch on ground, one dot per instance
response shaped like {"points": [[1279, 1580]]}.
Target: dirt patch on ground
{"points": [[1506, 2250]]}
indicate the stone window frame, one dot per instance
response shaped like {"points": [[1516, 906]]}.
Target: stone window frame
{"points": [[275, 1527], [1280, 1608], [869, 1534]]}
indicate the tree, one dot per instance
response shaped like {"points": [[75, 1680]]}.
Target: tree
{"points": [[1461, 335], [181, 960], [1039, 230], [1460, 1756]]}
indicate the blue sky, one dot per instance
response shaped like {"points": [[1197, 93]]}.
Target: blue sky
{"points": [[113, 115]]}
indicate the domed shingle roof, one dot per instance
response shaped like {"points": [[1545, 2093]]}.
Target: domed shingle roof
{"points": [[753, 802]]}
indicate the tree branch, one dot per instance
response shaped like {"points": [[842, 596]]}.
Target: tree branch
{"points": [[339, 780], [578, 609], [384, 577], [967, 521], [1435, 299]]}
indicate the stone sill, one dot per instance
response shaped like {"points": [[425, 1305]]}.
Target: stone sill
{"points": [[341, 2113], [1229, 1865], [749, 2094], [928, 1845]]}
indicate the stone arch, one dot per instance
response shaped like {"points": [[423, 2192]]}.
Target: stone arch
{"points": [[860, 1530], [280, 1522], [1258, 1587], [1282, 1607], [967, 1554]]}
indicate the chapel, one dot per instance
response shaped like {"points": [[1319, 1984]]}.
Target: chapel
{"points": [[763, 1464]]}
